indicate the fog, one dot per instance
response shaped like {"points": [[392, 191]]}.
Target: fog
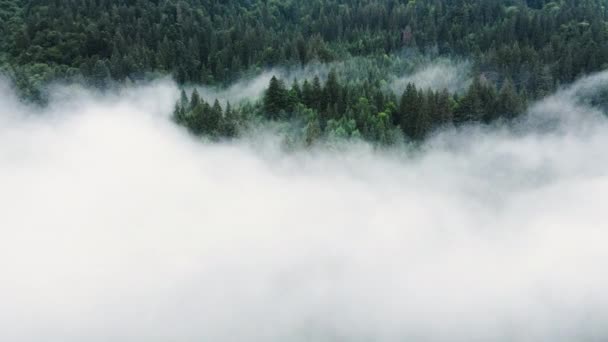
{"points": [[437, 75], [425, 71], [253, 86], [117, 225]]}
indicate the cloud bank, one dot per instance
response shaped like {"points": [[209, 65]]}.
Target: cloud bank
{"points": [[117, 225]]}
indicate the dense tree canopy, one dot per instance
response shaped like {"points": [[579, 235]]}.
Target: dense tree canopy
{"points": [[520, 49]]}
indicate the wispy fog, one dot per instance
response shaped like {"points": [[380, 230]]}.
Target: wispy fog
{"points": [[396, 70], [438, 75], [116, 225], [253, 87]]}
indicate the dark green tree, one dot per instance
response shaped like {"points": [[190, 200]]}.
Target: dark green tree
{"points": [[509, 103], [409, 108], [276, 98]]}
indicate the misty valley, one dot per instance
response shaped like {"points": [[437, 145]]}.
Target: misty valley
{"points": [[281, 170]]}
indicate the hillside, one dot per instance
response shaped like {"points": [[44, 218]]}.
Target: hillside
{"points": [[519, 50]]}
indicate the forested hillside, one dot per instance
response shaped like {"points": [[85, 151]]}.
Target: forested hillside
{"points": [[519, 50]]}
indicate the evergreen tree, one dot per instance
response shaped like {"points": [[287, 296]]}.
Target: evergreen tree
{"points": [[470, 106], [100, 75], [409, 110], [444, 108], [275, 99], [195, 99], [509, 104], [228, 126], [317, 94], [423, 122], [313, 128], [331, 92], [307, 94], [183, 99]]}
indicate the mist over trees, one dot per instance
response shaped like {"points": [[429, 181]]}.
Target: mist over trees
{"points": [[344, 110], [520, 51], [120, 227], [303, 170]]}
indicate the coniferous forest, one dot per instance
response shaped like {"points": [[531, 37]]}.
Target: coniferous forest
{"points": [[518, 50]]}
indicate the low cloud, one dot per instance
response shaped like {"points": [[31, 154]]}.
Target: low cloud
{"points": [[396, 71], [438, 75], [253, 87], [118, 225]]}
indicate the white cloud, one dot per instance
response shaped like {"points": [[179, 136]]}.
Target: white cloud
{"points": [[117, 225]]}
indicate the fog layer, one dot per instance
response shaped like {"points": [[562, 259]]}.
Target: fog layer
{"points": [[117, 225], [438, 75]]}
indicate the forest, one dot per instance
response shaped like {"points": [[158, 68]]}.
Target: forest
{"points": [[519, 51]]}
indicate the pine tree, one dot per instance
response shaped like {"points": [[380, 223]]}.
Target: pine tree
{"points": [[408, 110], [544, 82], [294, 96], [313, 131], [444, 108], [331, 92], [470, 106], [100, 75], [228, 127], [275, 98], [424, 122], [509, 103], [317, 93], [196, 120], [307, 94], [179, 114], [183, 99], [296, 90], [212, 119], [195, 100]]}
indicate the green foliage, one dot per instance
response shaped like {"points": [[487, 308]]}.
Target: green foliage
{"points": [[374, 116], [276, 99], [519, 48], [211, 41], [201, 119]]}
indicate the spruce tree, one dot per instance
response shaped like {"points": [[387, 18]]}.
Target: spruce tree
{"points": [[509, 103], [275, 98], [307, 94], [195, 100], [317, 93], [408, 110]]}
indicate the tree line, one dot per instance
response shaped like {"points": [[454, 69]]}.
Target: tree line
{"points": [[335, 109], [520, 50]]}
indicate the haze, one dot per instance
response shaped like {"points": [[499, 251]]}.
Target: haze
{"points": [[117, 225]]}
